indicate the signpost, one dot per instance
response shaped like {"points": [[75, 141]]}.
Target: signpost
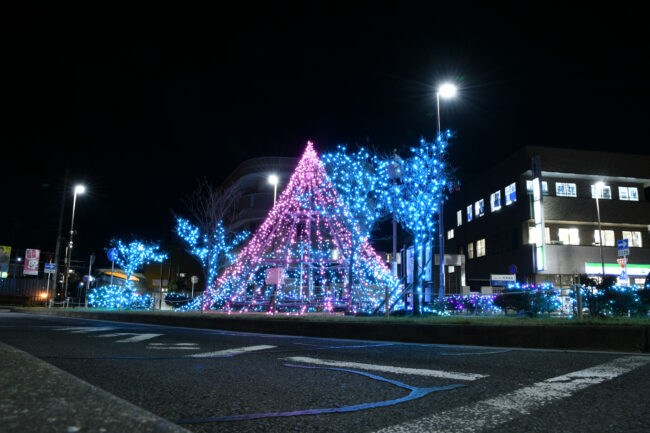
{"points": [[50, 268], [623, 250]]}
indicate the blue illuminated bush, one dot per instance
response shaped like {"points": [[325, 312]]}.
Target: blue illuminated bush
{"points": [[119, 297]]}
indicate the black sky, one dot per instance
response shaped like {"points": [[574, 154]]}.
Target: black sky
{"points": [[138, 103]]}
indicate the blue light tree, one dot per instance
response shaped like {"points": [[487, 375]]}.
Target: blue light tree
{"points": [[132, 256], [416, 199], [361, 184], [213, 248]]}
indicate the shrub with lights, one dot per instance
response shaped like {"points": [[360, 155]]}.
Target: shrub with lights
{"points": [[530, 299], [608, 299], [119, 297], [318, 251]]}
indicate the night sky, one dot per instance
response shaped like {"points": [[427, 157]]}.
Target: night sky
{"points": [[137, 104]]}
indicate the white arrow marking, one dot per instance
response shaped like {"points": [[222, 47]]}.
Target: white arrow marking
{"points": [[388, 368], [490, 413], [232, 352]]}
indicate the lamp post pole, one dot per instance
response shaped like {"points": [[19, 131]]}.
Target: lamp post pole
{"points": [[79, 189], [448, 91], [273, 180], [599, 189]]}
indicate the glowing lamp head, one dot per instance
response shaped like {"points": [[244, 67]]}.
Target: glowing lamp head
{"points": [[273, 179], [600, 186], [447, 90], [79, 189]]}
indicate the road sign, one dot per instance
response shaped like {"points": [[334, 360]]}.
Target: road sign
{"points": [[513, 269], [622, 261], [623, 247], [112, 254], [50, 268], [502, 279]]}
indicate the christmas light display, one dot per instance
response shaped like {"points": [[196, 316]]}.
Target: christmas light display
{"points": [[214, 250], [326, 260], [119, 297], [133, 256], [416, 198]]}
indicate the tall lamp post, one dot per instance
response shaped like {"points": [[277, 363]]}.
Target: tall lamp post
{"points": [[599, 190], [79, 189], [445, 91], [273, 180]]}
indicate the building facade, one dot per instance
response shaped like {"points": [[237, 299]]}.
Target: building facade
{"points": [[535, 216]]}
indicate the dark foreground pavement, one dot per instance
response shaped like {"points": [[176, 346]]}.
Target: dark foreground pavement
{"points": [[225, 381]]}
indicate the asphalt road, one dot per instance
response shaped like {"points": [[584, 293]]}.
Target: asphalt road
{"points": [[209, 381]]}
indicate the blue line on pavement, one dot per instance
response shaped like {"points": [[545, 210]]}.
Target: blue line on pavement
{"points": [[414, 394]]}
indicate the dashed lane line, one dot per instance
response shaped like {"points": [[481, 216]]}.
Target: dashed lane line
{"points": [[85, 329], [173, 346], [388, 368], [232, 352], [492, 412], [135, 339]]}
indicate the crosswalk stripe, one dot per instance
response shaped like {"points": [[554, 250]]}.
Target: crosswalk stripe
{"points": [[490, 413], [138, 337], [85, 329], [388, 368], [232, 352]]}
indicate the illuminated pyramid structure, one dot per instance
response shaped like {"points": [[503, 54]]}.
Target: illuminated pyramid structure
{"points": [[307, 235]]}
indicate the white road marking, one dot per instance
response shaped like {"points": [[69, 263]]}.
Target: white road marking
{"points": [[138, 337], [116, 334], [173, 346], [388, 368], [232, 352], [85, 329], [492, 412]]}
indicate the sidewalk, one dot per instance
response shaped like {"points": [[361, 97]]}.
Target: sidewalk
{"points": [[578, 337]]}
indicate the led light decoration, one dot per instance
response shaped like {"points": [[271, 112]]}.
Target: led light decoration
{"points": [[416, 199], [214, 250], [119, 297], [309, 222], [133, 256]]}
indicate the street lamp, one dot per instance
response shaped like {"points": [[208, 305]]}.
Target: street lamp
{"points": [[273, 180], [599, 190], [79, 189], [446, 91]]}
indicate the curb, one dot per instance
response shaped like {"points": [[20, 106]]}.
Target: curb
{"points": [[587, 337]]}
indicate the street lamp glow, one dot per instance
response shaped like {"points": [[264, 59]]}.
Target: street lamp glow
{"points": [[600, 186], [447, 90], [79, 189], [273, 179]]}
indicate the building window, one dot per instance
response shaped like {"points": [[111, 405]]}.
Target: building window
{"points": [[569, 236], [529, 187], [608, 238], [630, 193], [605, 192], [459, 218], [450, 234], [479, 208], [480, 248], [470, 250], [495, 201], [565, 189], [533, 235], [633, 239], [469, 213], [511, 194]]}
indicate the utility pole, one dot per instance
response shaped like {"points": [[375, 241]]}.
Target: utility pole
{"points": [[57, 249]]}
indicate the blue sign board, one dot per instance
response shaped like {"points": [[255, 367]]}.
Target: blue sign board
{"points": [[623, 247], [112, 254], [50, 268]]}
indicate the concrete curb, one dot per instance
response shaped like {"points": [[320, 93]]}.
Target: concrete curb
{"points": [[578, 337], [38, 397]]}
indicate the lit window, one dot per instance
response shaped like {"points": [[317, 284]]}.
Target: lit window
{"points": [[569, 236], [480, 248], [495, 201], [469, 213], [459, 218], [511, 194], [604, 193], [633, 239], [529, 187], [628, 193], [533, 235], [450, 234], [565, 189], [479, 208], [470, 250], [608, 238]]}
